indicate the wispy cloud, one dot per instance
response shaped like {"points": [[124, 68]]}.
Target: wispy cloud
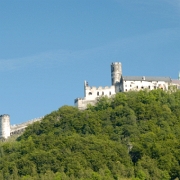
{"points": [[35, 60], [45, 59], [157, 38]]}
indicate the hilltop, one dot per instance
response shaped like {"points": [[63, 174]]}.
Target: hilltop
{"points": [[133, 135]]}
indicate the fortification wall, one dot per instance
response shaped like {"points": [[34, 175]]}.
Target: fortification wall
{"points": [[16, 129], [82, 103]]}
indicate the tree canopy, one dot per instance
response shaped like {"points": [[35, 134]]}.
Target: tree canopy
{"points": [[133, 135]]}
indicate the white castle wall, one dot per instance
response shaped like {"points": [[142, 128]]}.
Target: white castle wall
{"points": [[91, 93], [140, 85]]}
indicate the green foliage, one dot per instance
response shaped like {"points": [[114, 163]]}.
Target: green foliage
{"points": [[134, 135]]}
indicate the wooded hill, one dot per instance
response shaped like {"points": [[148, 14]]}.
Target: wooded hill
{"points": [[135, 135]]}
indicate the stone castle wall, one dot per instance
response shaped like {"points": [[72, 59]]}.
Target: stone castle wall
{"points": [[16, 129]]}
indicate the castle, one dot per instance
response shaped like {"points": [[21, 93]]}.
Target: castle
{"points": [[120, 83]]}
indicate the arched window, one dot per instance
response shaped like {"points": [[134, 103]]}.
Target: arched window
{"points": [[97, 93]]}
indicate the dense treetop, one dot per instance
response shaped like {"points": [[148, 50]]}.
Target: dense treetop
{"points": [[134, 135]]}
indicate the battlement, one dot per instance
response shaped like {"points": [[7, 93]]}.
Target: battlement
{"points": [[92, 93], [78, 99], [98, 88]]}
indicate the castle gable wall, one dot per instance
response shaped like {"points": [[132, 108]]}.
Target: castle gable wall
{"points": [[140, 85], [91, 93]]}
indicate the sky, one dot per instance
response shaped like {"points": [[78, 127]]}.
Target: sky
{"points": [[49, 47]]}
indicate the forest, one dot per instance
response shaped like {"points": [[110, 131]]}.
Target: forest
{"points": [[131, 136]]}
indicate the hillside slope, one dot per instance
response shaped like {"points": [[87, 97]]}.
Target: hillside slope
{"points": [[135, 135]]}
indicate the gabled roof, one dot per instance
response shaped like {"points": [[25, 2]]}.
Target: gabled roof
{"points": [[146, 78]]}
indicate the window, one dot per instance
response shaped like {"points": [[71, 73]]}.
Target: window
{"points": [[130, 85], [102, 93], [109, 92], [97, 93], [90, 93], [154, 87], [149, 87], [126, 89], [137, 87], [142, 87]]}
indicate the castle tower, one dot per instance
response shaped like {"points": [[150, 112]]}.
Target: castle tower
{"points": [[4, 126], [116, 73]]}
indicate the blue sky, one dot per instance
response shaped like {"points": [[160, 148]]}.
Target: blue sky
{"points": [[49, 47]]}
